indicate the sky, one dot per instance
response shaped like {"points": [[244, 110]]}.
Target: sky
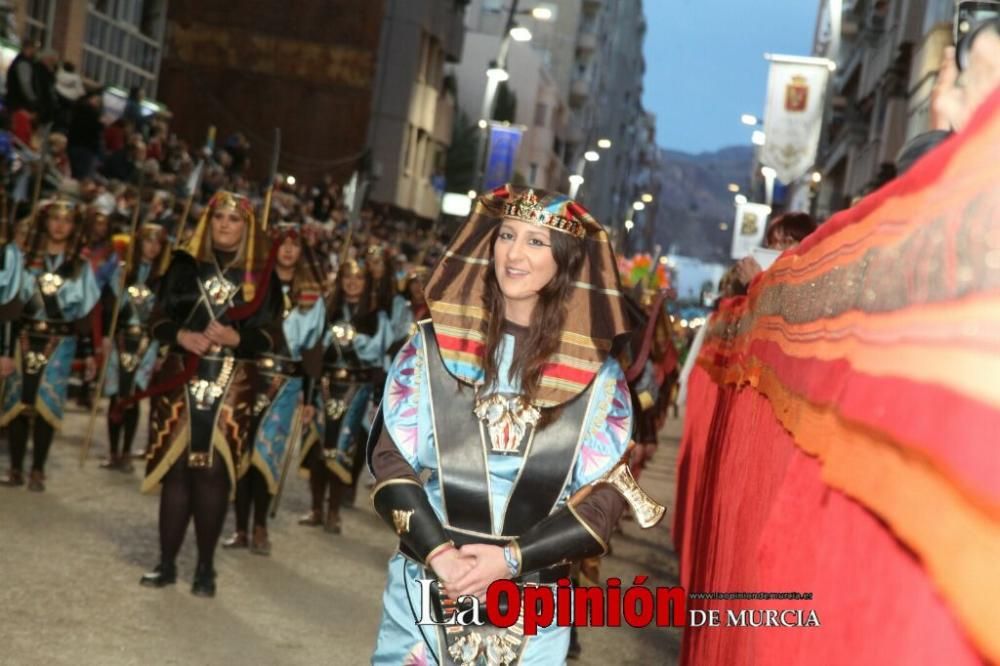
{"points": [[705, 64]]}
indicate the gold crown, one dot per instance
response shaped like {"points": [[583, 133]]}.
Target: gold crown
{"points": [[58, 203], [528, 208], [152, 230], [231, 201], [350, 267]]}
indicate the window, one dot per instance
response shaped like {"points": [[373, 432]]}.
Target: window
{"points": [[121, 42], [39, 21]]}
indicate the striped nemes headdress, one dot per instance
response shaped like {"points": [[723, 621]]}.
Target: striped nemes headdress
{"points": [[455, 292], [255, 246]]}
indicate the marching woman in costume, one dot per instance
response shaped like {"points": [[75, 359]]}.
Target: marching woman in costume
{"points": [[355, 344], [12, 275], [510, 401], [58, 298], [133, 351], [286, 380], [215, 309]]}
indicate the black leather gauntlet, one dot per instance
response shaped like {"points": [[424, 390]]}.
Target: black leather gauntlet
{"points": [[8, 338], [403, 504], [559, 538]]}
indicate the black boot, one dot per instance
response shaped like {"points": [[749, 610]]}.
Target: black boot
{"points": [[203, 584], [161, 576]]}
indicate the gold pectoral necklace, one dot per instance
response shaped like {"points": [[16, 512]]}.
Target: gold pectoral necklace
{"points": [[507, 419]]}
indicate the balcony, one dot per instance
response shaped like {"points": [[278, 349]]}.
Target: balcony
{"points": [[587, 41], [579, 91]]}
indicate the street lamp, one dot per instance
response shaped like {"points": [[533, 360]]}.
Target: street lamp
{"points": [[591, 156], [520, 34], [749, 119], [290, 180], [734, 188], [647, 198], [758, 138], [817, 177], [497, 73], [740, 199], [629, 224], [638, 205], [769, 177], [604, 144], [542, 13]]}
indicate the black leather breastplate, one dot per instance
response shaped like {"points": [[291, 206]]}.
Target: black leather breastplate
{"points": [[549, 454]]}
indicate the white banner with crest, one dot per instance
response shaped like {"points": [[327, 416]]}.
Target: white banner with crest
{"points": [[793, 117], [748, 230]]}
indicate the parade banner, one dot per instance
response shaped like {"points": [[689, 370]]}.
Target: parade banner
{"points": [[504, 142], [841, 435], [748, 229], [793, 115]]}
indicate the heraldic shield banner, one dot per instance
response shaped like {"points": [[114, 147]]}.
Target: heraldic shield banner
{"points": [[793, 117], [748, 230]]}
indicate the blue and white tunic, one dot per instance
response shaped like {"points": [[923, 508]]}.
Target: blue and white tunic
{"points": [[408, 419], [54, 298], [133, 340], [280, 393]]}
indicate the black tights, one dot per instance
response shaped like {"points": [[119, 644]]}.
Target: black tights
{"points": [[199, 493], [130, 419], [252, 491], [320, 477], [18, 437]]}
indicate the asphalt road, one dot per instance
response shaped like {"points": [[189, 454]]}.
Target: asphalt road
{"points": [[71, 558]]}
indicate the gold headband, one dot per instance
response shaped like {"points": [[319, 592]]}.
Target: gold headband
{"points": [[527, 208]]}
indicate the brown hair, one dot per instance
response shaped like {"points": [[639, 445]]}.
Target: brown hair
{"points": [[795, 225], [547, 320]]}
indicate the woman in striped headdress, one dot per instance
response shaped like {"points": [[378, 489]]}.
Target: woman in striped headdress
{"points": [[496, 412]]}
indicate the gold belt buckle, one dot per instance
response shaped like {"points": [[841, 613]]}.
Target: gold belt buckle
{"points": [[198, 460], [34, 362], [340, 374], [267, 363], [41, 326]]}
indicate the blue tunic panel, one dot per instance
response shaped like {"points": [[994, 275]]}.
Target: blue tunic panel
{"points": [[408, 419]]}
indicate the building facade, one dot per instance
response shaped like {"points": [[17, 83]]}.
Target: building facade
{"points": [[413, 106], [887, 62], [589, 54], [111, 42], [306, 68]]}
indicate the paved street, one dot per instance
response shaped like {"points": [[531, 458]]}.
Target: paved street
{"points": [[71, 560]]}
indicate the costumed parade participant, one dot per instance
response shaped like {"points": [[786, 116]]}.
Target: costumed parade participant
{"points": [[379, 264], [134, 351], [12, 275], [218, 310], [510, 400], [286, 381], [58, 295], [355, 345], [104, 261]]}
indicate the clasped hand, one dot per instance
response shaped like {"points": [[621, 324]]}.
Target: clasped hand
{"points": [[469, 570], [215, 334]]}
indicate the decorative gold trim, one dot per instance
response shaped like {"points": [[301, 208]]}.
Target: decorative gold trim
{"points": [[389, 482], [598, 539], [436, 550], [437, 450]]}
